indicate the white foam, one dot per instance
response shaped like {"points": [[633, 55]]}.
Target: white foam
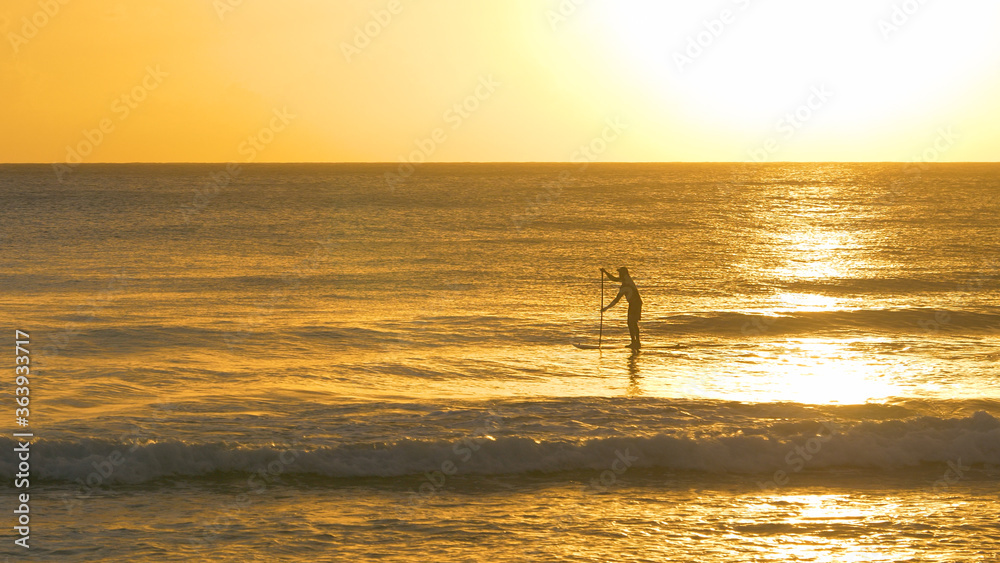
{"points": [[889, 444]]}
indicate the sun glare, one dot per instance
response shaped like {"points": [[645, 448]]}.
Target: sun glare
{"points": [[838, 509], [764, 71], [809, 301], [817, 371], [694, 81]]}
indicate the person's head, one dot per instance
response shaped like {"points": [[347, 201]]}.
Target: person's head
{"points": [[623, 273]]}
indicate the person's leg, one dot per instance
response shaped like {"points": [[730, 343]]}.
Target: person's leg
{"points": [[633, 328]]}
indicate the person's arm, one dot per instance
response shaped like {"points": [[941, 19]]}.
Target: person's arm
{"points": [[615, 300], [610, 276]]}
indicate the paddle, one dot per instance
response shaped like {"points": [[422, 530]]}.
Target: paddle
{"points": [[600, 331]]}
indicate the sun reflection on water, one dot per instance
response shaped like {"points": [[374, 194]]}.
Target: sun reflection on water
{"points": [[809, 371], [842, 529]]}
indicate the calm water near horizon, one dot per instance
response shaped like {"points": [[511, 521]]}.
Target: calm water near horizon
{"points": [[307, 362]]}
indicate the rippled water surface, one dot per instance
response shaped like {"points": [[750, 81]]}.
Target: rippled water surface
{"points": [[307, 363]]}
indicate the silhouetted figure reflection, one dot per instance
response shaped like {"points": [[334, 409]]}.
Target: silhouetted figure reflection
{"points": [[634, 377], [631, 294]]}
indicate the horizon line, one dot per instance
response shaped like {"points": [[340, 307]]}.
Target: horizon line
{"points": [[397, 163]]}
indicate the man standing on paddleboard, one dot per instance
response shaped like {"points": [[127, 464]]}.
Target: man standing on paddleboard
{"points": [[631, 294]]}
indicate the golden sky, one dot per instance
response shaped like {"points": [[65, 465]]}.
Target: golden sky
{"points": [[510, 80]]}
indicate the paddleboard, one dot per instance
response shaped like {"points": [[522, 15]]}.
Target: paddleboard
{"points": [[613, 346]]}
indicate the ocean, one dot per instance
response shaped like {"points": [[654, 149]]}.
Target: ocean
{"points": [[354, 362]]}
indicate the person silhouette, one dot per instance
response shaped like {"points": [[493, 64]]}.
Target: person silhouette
{"points": [[631, 293]]}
